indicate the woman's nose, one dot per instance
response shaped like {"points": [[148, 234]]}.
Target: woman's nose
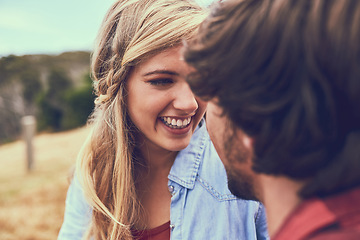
{"points": [[184, 99]]}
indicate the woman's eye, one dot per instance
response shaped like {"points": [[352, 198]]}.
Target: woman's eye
{"points": [[160, 81]]}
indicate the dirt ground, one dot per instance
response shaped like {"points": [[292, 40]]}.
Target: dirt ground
{"points": [[32, 203]]}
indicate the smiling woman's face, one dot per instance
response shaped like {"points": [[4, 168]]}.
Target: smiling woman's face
{"points": [[160, 102]]}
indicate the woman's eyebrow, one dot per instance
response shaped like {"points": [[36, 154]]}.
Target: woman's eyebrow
{"points": [[161, 72]]}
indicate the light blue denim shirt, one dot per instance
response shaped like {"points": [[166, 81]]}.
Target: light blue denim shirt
{"points": [[202, 207]]}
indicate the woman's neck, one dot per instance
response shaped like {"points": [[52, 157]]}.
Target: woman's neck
{"points": [[156, 158], [151, 184]]}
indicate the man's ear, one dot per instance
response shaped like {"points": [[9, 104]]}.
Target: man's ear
{"points": [[247, 141]]}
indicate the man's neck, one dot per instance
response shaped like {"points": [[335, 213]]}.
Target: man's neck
{"points": [[279, 195]]}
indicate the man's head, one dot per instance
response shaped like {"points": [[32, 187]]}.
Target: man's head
{"points": [[288, 74]]}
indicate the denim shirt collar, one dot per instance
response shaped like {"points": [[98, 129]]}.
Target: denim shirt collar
{"points": [[187, 162]]}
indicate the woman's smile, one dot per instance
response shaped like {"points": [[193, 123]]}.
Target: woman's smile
{"points": [[176, 123]]}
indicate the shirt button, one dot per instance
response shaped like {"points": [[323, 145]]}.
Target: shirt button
{"points": [[171, 189], [172, 226]]}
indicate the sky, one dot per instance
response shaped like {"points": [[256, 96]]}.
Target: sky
{"points": [[51, 27]]}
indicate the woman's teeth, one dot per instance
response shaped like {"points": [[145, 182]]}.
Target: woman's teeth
{"points": [[175, 123]]}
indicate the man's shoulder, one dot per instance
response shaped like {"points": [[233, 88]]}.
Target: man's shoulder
{"points": [[330, 217], [339, 234]]}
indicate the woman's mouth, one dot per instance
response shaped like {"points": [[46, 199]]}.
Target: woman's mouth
{"points": [[176, 123]]}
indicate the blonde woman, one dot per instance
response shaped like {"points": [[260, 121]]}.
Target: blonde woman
{"points": [[148, 169]]}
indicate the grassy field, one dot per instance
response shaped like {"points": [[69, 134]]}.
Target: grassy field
{"points": [[32, 204]]}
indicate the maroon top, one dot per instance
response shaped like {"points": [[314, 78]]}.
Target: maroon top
{"points": [[159, 233], [333, 218]]}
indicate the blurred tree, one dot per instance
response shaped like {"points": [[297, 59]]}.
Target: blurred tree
{"points": [[10, 66], [49, 116], [58, 82], [80, 103], [52, 103], [32, 87]]}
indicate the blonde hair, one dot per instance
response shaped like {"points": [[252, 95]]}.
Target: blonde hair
{"points": [[133, 30]]}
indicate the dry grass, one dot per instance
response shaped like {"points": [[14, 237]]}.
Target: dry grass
{"points": [[32, 204]]}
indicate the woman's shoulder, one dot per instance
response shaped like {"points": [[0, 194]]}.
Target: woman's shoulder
{"points": [[77, 213], [212, 175]]}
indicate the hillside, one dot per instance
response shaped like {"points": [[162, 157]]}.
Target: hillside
{"points": [[36, 84], [32, 204]]}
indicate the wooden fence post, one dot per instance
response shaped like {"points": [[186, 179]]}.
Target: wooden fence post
{"points": [[29, 129]]}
